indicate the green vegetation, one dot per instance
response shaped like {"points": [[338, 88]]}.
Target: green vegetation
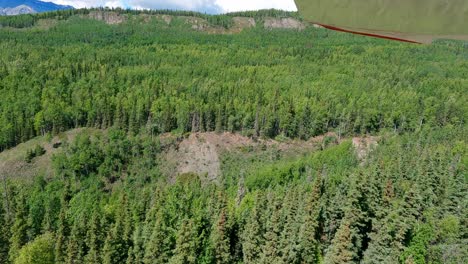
{"points": [[28, 20], [36, 152], [107, 200], [40, 250], [146, 77]]}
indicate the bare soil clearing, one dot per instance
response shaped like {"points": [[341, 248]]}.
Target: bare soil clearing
{"points": [[201, 24], [13, 164], [198, 153], [364, 145], [284, 23]]}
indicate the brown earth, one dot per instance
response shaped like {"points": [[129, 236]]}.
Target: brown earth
{"points": [[244, 22], [198, 153], [109, 17], [364, 145], [284, 23], [200, 24], [13, 164]]}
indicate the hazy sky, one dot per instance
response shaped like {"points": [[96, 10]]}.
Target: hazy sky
{"points": [[209, 6]]}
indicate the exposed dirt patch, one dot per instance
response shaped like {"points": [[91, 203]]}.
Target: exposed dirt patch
{"points": [[200, 153], [241, 23], [284, 23], [46, 23], [110, 18], [364, 145], [13, 164], [201, 24], [197, 23], [166, 18]]}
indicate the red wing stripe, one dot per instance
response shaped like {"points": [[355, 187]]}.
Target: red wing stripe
{"points": [[367, 34]]}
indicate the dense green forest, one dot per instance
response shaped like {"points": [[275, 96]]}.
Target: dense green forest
{"points": [[225, 20], [108, 200]]}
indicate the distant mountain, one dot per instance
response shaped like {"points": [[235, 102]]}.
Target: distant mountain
{"points": [[16, 7], [22, 9]]}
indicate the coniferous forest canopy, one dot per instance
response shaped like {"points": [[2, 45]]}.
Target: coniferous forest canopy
{"points": [[108, 199]]}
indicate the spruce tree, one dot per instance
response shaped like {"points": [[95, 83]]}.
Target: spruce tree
{"points": [[75, 246], [118, 240], [220, 240], [309, 246], [289, 242], [186, 244], [47, 221], [19, 229], [385, 242], [341, 250], [271, 252], [4, 243], [136, 253], [157, 249], [252, 235], [114, 250], [381, 248], [93, 240], [356, 216], [62, 228]]}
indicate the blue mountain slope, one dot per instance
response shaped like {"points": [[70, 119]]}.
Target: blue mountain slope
{"points": [[38, 6]]}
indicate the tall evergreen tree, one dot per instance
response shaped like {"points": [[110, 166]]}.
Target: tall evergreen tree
{"points": [[75, 245], [118, 240], [136, 253], [186, 245], [289, 242], [93, 240], [63, 228], [252, 236], [4, 236], [157, 248], [271, 252], [19, 229], [309, 246], [220, 240], [341, 250]]}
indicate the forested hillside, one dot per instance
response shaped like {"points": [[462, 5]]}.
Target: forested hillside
{"points": [[142, 85]]}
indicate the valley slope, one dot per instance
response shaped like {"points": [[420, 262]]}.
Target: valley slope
{"points": [[253, 137]]}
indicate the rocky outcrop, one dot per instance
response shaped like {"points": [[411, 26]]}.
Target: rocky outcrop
{"points": [[19, 10], [166, 18], [364, 145], [201, 24], [196, 22], [284, 23], [201, 153], [110, 18], [244, 22]]}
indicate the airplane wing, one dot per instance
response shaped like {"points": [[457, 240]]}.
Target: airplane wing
{"points": [[420, 21]]}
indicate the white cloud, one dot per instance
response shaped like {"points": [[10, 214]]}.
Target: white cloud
{"points": [[242, 5], [77, 3], [209, 6], [196, 5]]}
